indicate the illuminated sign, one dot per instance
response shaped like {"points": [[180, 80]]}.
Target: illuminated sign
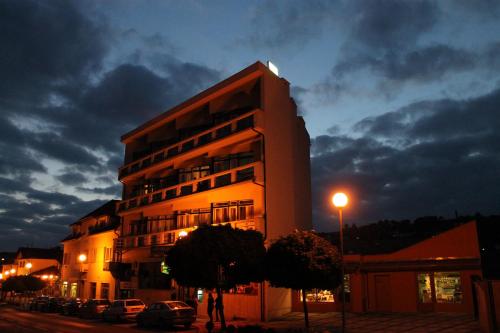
{"points": [[164, 268], [272, 67]]}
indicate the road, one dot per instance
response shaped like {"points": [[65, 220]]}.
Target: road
{"points": [[16, 321]]}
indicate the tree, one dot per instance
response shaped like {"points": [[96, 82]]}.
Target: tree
{"points": [[303, 261], [217, 257], [23, 283]]}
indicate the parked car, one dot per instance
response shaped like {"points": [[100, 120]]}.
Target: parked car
{"points": [[93, 308], [71, 307], [37, 303], [167, 313], [54, 304], [122, 309]]}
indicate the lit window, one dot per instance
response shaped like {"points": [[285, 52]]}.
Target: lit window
{"points": [[448, 287]]}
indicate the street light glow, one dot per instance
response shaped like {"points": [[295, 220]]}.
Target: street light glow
{"points": [[13, 270], [82, 258], [183, 233], [29, 265], [340, 200]]}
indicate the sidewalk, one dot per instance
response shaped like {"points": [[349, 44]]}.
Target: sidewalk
{"points": [[363, 323]]}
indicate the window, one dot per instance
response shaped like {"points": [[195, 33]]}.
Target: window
{"points": [[64, 289], [92, 255], [448, 286], [424, 288], [93, 290], [108, 254], [105, 290], [73, 290], [140, 241], [67, 258], [318, 295]]}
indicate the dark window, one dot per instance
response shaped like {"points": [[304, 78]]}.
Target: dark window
{"points": [[170, 194], [105, 290], [134, 167], [244, 123], [223, 131], [188, 189], [140, 241], [146, 163], [156, 197], [205, 138], [188, 145], [172, 151], [158, 157], [245, 174], [223, 180], [93, 289], [144, 201], [132, 203], [204, 185]]}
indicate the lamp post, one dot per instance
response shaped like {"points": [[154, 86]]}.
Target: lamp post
{"points": [[340, 200], [28, 267], [81, 258]]}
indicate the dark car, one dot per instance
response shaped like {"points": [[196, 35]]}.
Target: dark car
{"points": [[71, 307], [38, 303], [93, 308], [167, 314], [54, 304]]}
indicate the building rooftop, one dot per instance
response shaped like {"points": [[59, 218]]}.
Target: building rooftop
{"points": [[109, 208], [253, 71], [39, 253]]}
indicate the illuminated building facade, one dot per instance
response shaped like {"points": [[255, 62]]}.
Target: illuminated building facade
{"points": [[236, 153], [88, 251]]}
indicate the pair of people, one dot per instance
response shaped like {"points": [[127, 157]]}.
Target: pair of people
{"points": [[217, 303]]}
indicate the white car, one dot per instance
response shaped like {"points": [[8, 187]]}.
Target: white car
{"points": [[122, 309]]}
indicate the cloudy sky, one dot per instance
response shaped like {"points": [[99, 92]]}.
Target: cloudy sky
{"points": [[401, 98]]}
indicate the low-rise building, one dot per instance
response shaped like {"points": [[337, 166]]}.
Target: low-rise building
{"points": [[88, 251]]}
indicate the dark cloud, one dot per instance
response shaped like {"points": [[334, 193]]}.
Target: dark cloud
{"points": [[389, 24], [289, 23], [62, 103], [72, 178], [39, 51], [430, 158]]}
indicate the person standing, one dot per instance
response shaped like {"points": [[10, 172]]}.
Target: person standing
{"points": [[218, 307], [210, 307]]}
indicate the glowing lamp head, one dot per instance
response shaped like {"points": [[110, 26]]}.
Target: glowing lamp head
{"points": [[82, 258], [1, 276], [7, 273], [29, 265], [45, 277], [183, 233], [340, 200], [12, 271]]}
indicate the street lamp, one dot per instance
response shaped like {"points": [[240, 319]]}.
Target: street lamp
{"points": [[340, 200], [82, 258], [13, 271], [28, 267]]}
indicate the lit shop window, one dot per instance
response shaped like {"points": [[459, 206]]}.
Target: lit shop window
{"points": [[448, 287], [245, 289], [318, 295], [424, 288], [73, 290]]}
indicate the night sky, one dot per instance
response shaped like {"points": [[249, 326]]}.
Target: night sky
{"points": [[401, 98]]}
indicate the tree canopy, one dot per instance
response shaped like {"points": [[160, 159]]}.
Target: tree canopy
{"points": [[23, 283], [217, 257], [303, 260]]}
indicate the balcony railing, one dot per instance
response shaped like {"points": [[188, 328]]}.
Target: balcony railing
{"points": [[242, 173], [217, 132]]}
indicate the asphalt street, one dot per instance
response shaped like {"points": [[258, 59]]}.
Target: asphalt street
{"points": [[16, 321]]}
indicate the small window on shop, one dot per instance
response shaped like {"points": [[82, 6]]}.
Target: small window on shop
{"points": [[424, 288], [448, 287]]}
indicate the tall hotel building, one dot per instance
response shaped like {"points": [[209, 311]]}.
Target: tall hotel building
{"points": [[236, 153]]}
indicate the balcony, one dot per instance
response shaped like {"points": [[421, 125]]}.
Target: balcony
{"points": [[218, 132], [217, 180]]}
